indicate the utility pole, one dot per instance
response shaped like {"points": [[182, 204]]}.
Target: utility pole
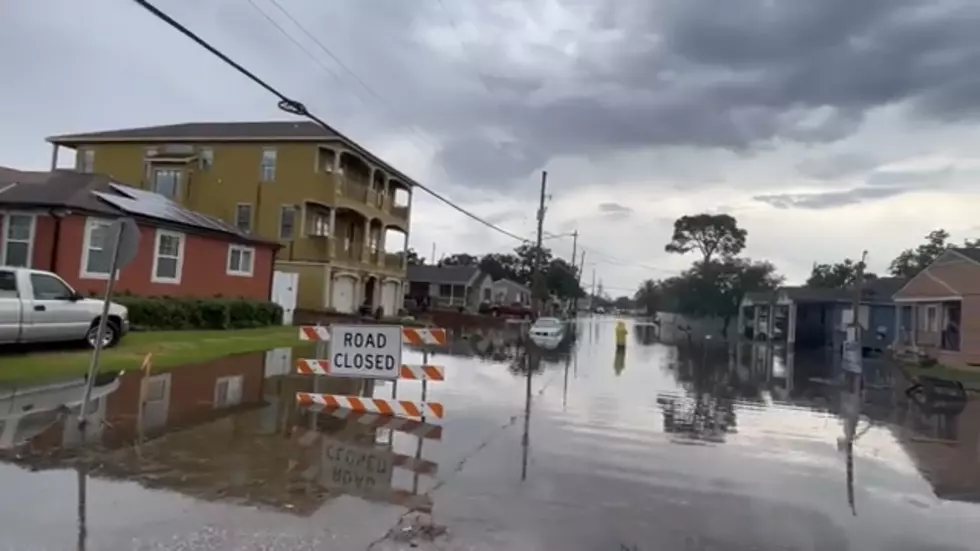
{"points": [[592, 294], [574, 252], [536, 285], [578, 279]]}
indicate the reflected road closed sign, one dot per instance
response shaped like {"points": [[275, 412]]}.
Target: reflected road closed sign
{"points": [[366, 351]]}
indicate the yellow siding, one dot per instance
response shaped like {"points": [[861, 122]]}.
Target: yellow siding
{"points": [[311, 294], [234, 178]]}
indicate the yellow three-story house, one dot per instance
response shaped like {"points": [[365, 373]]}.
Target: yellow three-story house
{"points": [[329, 202]]}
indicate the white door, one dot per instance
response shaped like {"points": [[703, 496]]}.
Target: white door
{"points": [[389, 296], [284, 287], [343, 294]]}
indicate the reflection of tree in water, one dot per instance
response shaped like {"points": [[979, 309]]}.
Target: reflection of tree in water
{"points": [[707, 411], [646, 334]]}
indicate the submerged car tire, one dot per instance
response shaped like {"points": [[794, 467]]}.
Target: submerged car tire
{"points": [[111, 337]]}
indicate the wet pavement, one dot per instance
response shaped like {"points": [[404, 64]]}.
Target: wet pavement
{"points": [[668, 446]]}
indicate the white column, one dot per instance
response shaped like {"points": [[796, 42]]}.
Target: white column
{"points": [[896, 338], [367, 238], [791, 324], [54, 156], [332, 230], [336, 161], [740, 327], [915, 324], [756, 322]]}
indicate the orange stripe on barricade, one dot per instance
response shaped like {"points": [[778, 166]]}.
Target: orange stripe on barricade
{"points": [[314, 333], [410, 372], [380, 406], [420, 429], [424, 336]]}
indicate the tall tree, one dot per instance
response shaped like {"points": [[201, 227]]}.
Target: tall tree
{"points": [[649, 296], [459, 259], [709, 234], [562, 280], [413, 258], [526, 255], [500, 266], [912, 261], [839, 275], [716, 289]]}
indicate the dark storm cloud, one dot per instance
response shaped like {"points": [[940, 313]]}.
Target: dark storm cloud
{"points": [[614, 208], [497, 89], [745, 73]]}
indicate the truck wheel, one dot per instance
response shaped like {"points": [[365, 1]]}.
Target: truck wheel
{"points": [[111, 337]]}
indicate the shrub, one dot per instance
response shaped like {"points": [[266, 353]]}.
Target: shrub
{"points": [[165, 313]]}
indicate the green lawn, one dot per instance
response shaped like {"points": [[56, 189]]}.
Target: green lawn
{"points": [[169, 349]]}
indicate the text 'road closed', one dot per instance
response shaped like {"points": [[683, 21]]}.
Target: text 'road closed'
{"points": [[367, 351]]}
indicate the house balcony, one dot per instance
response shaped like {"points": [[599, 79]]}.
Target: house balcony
{"points": [[395, 261]]}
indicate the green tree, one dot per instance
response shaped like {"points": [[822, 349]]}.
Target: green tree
{"points": [[526, 255], [649, 296], [716, 289], [561, 279], [709, 234], [413, 258], [459, 259], [500, 266], [840, 275], [912, 261]]}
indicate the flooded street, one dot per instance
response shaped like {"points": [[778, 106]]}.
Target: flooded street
{"points": [[664, 447]]}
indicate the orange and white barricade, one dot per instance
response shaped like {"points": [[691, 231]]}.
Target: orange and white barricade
{"points": [[380, 406]]}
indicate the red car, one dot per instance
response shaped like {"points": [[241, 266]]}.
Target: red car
{"points": [[512, 310]]}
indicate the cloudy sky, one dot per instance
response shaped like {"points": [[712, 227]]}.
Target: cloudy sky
{"points": [[824, 126]]}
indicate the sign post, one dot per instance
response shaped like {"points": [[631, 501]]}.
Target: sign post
{"points": [[124, 237]]}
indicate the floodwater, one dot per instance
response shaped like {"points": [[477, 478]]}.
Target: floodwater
{"points": [[667, 446]]}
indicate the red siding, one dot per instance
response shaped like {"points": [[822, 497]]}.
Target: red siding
{"points": [[204, 272]]}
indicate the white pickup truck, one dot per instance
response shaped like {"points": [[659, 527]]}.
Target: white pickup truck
{"points": [[38, 306]]}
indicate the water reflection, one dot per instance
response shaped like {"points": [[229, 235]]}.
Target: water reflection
{"points": [[230, 430]]}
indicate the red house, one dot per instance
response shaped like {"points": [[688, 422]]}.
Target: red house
{"points": [[57, 221]]}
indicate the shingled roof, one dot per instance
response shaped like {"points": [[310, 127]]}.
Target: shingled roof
{"points": [[197, 131], [443, 275]]}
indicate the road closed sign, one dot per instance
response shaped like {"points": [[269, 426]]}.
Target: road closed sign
{"points": [[366, 351]]}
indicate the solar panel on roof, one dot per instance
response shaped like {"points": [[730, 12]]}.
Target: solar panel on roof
{"points": [[154, 205]]}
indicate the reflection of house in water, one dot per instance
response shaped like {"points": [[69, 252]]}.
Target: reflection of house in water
{"points": [[216, 431], [945, 448], [815, 318]]}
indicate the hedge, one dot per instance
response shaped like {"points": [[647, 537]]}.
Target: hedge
{"points": [[165, 313]]}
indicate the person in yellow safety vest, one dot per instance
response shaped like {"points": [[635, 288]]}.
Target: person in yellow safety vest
{"points": [[620, 335]]}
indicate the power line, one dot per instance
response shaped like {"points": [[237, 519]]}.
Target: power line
{"points": [[294, 107]]}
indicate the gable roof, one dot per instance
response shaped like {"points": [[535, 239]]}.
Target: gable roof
{"points": [[972, 253], [444, 275], [512, 283], [241, 131], [98, 194]]}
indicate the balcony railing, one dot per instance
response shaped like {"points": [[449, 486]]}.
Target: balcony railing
{"points": [[395, 261], [400, 212], [353, 188]]}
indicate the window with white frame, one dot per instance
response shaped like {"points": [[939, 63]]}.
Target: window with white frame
{"points": [[206, 158], [96, 253], [243, 217], [18, 239], [241, 260], [268, 168], [166, 182], [228, 391], [287, 221], [87, 163], [168, 257]]}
